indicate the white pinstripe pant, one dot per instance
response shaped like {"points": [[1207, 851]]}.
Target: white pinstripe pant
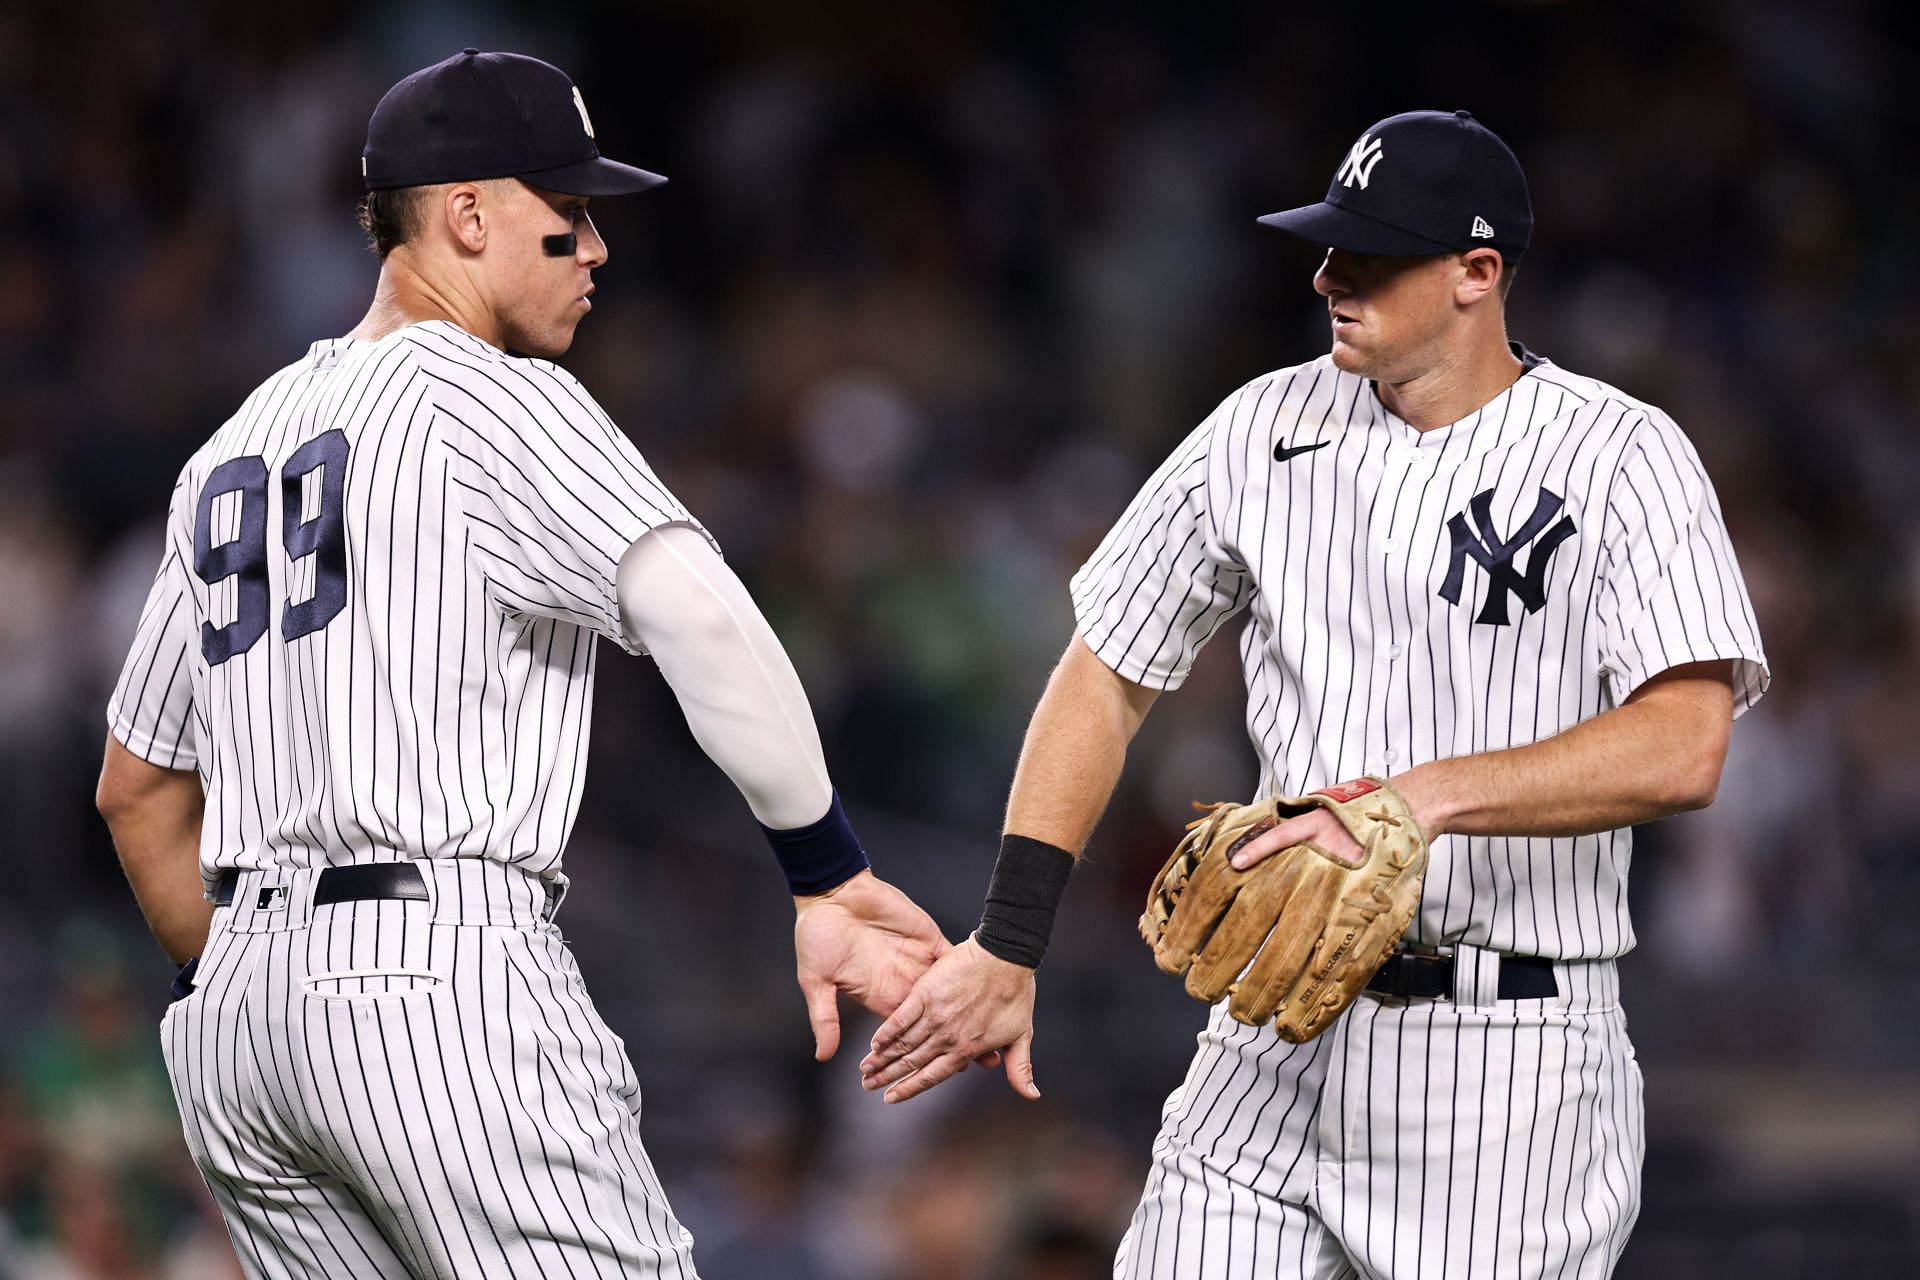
{"points": [[406, 1088], [1419, 1140]]}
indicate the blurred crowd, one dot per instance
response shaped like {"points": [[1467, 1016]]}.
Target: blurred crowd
{"points": [[932, 290]]}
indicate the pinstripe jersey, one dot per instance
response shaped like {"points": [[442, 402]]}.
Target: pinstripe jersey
{"points": [[1415, 596], [372, 631]]}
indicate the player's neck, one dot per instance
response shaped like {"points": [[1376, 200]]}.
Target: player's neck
{"points": [[405, 296], [1453, 388]]}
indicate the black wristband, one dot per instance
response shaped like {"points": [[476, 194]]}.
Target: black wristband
{"points": [[1022, 899], [820, 856]]}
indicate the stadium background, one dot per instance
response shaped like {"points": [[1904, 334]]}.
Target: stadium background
{"points": [[934, 287]]}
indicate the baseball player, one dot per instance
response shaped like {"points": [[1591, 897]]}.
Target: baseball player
{"points": [[348, 744], [1505, 588]]}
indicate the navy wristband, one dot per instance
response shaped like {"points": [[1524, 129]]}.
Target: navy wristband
{"points": [[1028, 880], [820, 856]]}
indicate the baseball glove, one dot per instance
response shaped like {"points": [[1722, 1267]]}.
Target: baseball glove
{"points": [[1302, 931]]}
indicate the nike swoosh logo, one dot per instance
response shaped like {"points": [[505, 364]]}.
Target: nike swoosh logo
{"points": [[1281, 453]]}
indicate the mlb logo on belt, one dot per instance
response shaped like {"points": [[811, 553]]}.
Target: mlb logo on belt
{"points": [[272, 898]]}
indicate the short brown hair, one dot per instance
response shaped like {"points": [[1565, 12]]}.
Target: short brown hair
{"points": [[391, 218]]}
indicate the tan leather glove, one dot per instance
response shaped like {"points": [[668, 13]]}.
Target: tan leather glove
{"points": [[1302, 931]]}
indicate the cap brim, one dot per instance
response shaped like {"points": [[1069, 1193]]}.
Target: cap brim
{"points": [[596, 177], [1337, 228]]}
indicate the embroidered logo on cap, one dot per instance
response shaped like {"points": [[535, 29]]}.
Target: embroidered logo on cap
{"points": [[1482, 229], [1358, 166], [580, 105]]}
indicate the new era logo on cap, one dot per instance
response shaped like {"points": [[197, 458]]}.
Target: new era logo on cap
{"points": [[1481, 231]]}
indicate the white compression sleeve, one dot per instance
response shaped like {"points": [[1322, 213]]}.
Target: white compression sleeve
{"points": [[734, 681]]}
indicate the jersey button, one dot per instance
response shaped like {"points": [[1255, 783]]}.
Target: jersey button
{"points": [[1394, 651], [1416, 454], [1390, 755], [1390, 546]]}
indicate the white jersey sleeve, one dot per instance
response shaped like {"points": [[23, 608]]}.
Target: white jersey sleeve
{"points": [[552, 494], [1161, 582], [734, 681], [1672, 590], [151, 711]]}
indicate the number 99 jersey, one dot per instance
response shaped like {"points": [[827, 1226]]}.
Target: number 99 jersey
{"points": [[372, 631]]}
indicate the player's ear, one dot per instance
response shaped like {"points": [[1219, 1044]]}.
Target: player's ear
{"points": [[1480, 274], [466, 216]]}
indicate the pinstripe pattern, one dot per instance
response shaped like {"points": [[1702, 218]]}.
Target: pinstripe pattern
{"points": [[414, 1089], [455, 1107], [445, 711], [1438, 1138], [1451, 1138]]}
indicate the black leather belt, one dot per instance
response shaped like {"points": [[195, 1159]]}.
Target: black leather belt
{"points": [[359, 883], [1408, 975]]}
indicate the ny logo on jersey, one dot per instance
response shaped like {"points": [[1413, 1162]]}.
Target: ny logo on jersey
{"points": [[1495, 554], [1358, 166]]}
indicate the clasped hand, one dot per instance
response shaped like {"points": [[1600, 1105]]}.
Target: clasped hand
{"points": [[970, 1007], [863, 937], [869, 940]]}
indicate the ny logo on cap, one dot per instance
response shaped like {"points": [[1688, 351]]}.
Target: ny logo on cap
{"points": [[1359, 163], [580, 105]]}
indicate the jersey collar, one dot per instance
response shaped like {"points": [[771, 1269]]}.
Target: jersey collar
{"points": [[1479, 429]]}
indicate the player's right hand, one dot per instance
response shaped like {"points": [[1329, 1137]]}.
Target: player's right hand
{"points": [[965, 1007], [864, 938]]}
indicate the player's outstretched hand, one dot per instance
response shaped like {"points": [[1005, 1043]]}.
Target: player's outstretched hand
{"points": [[865, 938], [966, 1007]]}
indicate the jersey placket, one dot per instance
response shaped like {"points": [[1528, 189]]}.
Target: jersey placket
{"points": [[1392, 541]]}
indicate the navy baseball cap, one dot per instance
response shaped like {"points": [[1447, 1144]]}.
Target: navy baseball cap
{"points": [[491, 115], [1418, 183]]}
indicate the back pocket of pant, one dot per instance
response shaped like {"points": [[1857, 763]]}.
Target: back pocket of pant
{"points": [[372, 984]]}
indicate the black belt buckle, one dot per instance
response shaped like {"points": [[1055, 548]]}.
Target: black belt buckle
{"points": [[1400, 977], [1398, 972], [1410, 974]]}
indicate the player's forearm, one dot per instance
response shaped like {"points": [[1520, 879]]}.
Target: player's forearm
{"points": [[155, 816], [1657, 755], [1075, 748], [733, 679]]}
